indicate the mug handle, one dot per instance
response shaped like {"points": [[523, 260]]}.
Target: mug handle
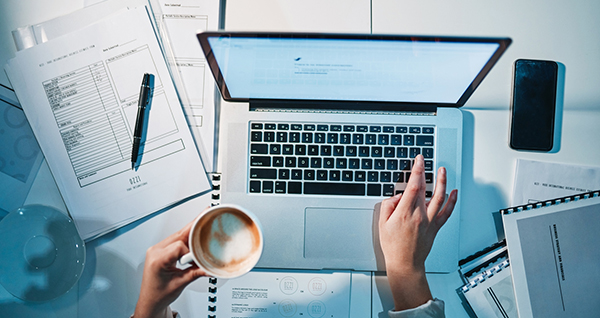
{"points": [[186, 259]]}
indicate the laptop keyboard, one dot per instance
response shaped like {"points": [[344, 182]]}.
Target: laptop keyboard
{"points": [[335, 159]]}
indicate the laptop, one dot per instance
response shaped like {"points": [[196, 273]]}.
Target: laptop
{"points": [[315, 130]]}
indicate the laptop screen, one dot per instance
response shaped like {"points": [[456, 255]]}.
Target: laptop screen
{"points": [[326, 67]]}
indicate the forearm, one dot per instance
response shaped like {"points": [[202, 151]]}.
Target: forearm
{"points": [[409, 287]]}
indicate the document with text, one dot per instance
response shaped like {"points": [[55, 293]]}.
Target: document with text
{"points": [[80, 93]]}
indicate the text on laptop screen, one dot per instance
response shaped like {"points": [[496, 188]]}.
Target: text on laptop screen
{"points": [[349, 69]]}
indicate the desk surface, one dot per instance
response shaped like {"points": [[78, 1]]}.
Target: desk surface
{"points": [[561, 31]]}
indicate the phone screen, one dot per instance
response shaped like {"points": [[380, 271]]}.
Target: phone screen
{"points": [[533, 105]]}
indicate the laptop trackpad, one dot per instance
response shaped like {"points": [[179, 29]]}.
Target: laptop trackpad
{"points": [[338, 233]]}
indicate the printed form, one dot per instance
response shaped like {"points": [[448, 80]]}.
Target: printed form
{"points": [[80, 94], [183, 19]]}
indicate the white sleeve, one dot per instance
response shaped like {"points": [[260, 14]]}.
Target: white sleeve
{"points": [[431, 309]]}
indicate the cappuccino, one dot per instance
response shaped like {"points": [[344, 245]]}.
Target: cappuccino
{"points": [[226, 241]]}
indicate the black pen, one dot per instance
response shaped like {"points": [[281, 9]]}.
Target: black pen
{"points": [[145, 92]]}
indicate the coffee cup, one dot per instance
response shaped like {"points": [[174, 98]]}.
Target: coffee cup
{"points": [[225, 241]]}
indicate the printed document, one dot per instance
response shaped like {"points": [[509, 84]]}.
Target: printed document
{"points": [[80, 93]]}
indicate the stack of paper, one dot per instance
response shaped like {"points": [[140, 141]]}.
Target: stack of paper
{"points": [[79, 92]]}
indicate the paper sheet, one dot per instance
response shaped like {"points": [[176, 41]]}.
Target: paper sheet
{"points": [[537, 181], [80, 94], [182, 20]]}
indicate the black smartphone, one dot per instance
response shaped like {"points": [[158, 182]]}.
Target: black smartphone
{"points": [[533, 106]]}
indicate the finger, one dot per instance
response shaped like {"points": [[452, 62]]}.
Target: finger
{"points": [[415, 188], [191, 274], [387, 208], [439, 194], [446, 211], [172, 253]]}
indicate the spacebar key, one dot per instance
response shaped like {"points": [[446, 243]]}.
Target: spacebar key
{"points": [[334, 188]]}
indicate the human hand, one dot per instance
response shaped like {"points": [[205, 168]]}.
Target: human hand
{"points": [[162, 281], [408, 225]]}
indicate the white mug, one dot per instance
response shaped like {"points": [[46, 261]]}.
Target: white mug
{"points": [[226, 241]]}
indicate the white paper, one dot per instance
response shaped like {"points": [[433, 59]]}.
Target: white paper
{"points": [[80, 93], [537, 181], [183, 19], [275, 293], [554, 259]]}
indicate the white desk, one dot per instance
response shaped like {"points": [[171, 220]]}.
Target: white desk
{"points": [[563, 31]]}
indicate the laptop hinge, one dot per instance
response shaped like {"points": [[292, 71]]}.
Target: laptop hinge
{"points": [[349, 107]]}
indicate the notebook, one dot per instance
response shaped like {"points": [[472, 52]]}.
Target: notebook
{"points": [[554, 256], [316, 129]]}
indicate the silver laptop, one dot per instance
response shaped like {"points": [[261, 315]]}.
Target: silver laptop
{"points": [[316, 129]]}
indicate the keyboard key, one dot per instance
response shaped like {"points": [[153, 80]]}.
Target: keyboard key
{"points": [[428, 165], [373, 176], [256, 126], [388, 129], [274, 149], [334, 188], [392, 164], [376, 152], [379, 164], [287, 149], [283, 126], [280, 187], [338, 150], [370, 139], [396, 140], [260, 161], [404, 165], [427, 153], [367, 164], [401, 152], [255, 186], [409, 140], [309, 174], [315, 162], [258, 173], [256, 136], [341, 163], [385, 176], [389, 152], [270, 126], [414, 130], [320, 138], [313, 150], [290, 162], [428, 130], [358, 139], [294, 137], [332, 138], [413, 152], [401, 130], [428, 177], [325, 150], [282, 136], [347, 175], [398, 177], [362, 128], [428, 194], [334, 175], [296, 127], [375, 129], [284, 174], [307, 138], [259, 149], [296, 174], [360, 175], [364, 151], [300, 150], [303, 162], [336, 127], [294, 187], [354, 163], [322, 127], [321, 175], [348, 128], [383, 139], [351, 151], [374, 189], [309, 127], [269, 136], [267, 187], [345, 139], [424, 140], [388, 190], [328, 163], [278, 161]]}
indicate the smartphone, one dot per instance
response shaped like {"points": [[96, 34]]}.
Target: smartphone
{"points": [[533, 106]]}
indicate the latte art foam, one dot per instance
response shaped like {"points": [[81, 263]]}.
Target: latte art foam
{"points": [[228, 240]]}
